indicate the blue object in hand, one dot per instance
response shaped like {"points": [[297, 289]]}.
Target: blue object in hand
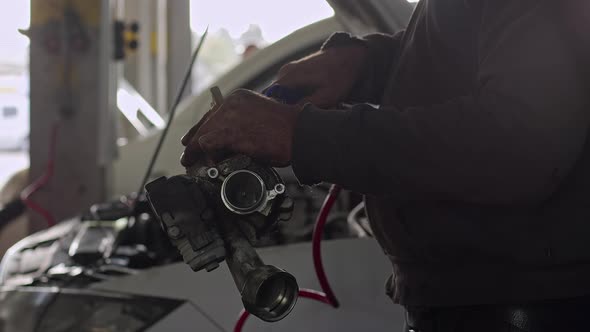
{"points": [[283, 94]]}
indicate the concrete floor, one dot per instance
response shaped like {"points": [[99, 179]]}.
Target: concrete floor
{"points": [[10, 162]]}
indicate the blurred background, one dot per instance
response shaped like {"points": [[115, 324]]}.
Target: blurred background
{"points": [[86, 90], [233, 35], [14, 88]]}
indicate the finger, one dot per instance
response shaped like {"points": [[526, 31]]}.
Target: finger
{"points": [[191, 132], [185, 140], [261, 150], [185, 160], [188, 159], [217, 144], [192, 152]]}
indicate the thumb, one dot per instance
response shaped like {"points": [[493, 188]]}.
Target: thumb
{"points": [[185, 140]]}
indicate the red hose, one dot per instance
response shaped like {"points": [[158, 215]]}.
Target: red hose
{"points": [[316, 241], [327, 296], [241, 320], [42, 181]]}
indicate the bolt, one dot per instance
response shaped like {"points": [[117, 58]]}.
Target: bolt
{"points": [[279, 188], [173, 232], [213, 172]]}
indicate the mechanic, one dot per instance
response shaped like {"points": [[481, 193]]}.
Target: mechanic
{"points": [[474, 164]]}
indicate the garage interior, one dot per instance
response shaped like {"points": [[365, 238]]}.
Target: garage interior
{"points": [[82, 248]]}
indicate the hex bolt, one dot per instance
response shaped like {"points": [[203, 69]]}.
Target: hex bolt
{"points": [[279, 188], [173, 232], [213, 172]]}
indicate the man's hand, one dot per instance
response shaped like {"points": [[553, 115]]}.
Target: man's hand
{"points": [[246, 123], [328, 75]]}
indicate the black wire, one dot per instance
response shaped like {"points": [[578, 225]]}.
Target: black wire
{"points": [[187, 76], [10, 211]]}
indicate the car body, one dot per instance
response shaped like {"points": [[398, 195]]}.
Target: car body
{"points": [[40, 281]]}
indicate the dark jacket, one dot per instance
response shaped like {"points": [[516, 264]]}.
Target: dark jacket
{"points": [[475, 166]]}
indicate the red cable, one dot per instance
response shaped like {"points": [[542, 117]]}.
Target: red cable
{"points": [[316, 240], [241, 320], [42, 181], [327, 296]]}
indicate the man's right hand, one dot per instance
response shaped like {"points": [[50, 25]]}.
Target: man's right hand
{"points": [[328, 76]]}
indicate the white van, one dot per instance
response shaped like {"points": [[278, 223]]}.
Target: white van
{"points": [[14, 122]]}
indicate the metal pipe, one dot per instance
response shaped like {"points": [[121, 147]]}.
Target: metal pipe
{"points": [[268, 292]]}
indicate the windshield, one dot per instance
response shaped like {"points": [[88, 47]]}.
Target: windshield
{"points": [[47, 309]]}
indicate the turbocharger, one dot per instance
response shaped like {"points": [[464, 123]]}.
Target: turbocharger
{"points": [[217, 213]]}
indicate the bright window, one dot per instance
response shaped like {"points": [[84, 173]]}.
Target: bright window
{"points": [[14, 78], [238, 28]]}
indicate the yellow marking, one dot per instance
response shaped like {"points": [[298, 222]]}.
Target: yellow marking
{"points": [[154, 43]]}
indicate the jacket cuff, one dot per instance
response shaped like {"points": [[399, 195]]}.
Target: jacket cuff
{"points": [[317, 144], [382, 53]]}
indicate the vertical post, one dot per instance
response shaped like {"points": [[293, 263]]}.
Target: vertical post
{"points": [[147, 68], [71, 87], [139, 67], [161, 49], [179, 45]]}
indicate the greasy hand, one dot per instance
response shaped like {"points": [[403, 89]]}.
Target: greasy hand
{"points": [[246, 123], [328, 75]]}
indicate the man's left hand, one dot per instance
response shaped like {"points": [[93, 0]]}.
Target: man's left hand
{"points": [[245, 123]]}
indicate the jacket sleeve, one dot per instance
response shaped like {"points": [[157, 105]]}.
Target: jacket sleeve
{"points": [[512, 140], [383, 51]]}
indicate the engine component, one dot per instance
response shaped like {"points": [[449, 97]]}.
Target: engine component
{"points": [[187, 219], [93, 241], [243, 192], [246, 201], [245, 188], [268, 292], [220, 212]]}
